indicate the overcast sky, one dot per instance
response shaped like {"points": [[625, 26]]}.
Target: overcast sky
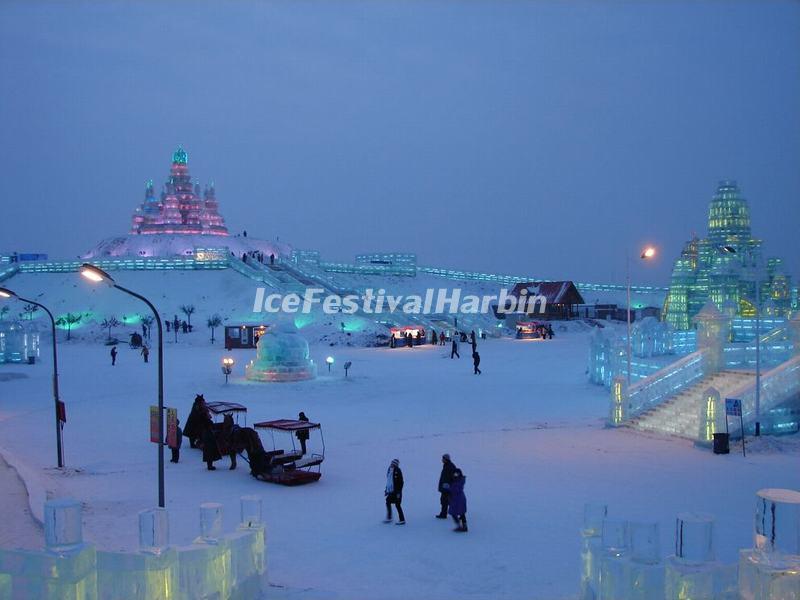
{"points": [[522, 137]]}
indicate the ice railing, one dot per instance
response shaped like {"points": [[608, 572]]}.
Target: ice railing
{"points": [[217, 565], [252, 272], [623, 560], [655, 389], [777, 386]]}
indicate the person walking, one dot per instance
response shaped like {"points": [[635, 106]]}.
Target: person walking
{"points": [[454, 347], [394, 492], [473, 340], [302, 434], [145, 353], [175, 448], [458, 501], [410, 339], [476, 361], [441, 338], [392, 340], [113, 355], [434, 338], [445, 479]]}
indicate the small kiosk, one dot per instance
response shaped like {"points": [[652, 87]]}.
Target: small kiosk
{"points": [[243, 336], [529, 330], [399, 336]]}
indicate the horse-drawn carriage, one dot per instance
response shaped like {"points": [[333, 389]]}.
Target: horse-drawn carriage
{"points": [[215, 428], [282, 465]]}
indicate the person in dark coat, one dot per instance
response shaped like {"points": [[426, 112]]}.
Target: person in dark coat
{"points": [[394, 492], [211, 451], [392, 342], [410, 340], [549, 331], [458, 501], [476, 361], [441, 338], [145, 353], [176, 448], [434, 339], [454, 347], [199, 420], [445, 479], [302, 434], [113, 355], [473, 341]]}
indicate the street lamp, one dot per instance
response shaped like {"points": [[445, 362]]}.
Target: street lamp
{"points": [[329, 360], [8, 294], [732, 250], [227, 367], [97, 275], [647, 253]]}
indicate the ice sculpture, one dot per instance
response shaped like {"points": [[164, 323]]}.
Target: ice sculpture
{"points": [[691, 572], [66, 569], [591, 549], [281, 355], [613, 558], [771, 570], [644, 572]]}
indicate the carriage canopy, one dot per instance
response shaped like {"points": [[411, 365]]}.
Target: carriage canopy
{"points": [[286, 425]]}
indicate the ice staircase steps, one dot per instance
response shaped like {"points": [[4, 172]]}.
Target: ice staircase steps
{"points": [[680, 415]]}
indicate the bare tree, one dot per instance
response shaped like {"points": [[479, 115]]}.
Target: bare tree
{"points": [[68, 320], [188, 309], [213, 322], [109, 323], [28, 311]]}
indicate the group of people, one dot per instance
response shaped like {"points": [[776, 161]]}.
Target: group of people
{"points": [[177, 325], [144, 351], [409, 338], [452, 499], [473, 341], [544, 331], [257, 256]]}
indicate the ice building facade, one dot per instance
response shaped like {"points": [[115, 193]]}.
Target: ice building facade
{"points": [[18, 342], [726, 266], [181, 207]]}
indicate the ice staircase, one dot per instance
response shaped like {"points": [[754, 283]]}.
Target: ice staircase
{"points": [[680, 414]]}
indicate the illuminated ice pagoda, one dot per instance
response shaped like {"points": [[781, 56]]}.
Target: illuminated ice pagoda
{"points": [[726, 266], [181, 207], [281, 355]]}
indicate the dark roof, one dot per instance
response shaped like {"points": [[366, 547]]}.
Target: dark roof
{"points": [[555, 292], [220, 408], [286, 425]]}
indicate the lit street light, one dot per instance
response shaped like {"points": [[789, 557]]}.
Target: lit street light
{"points": [[97, 275], [329, 360], [8, 294], [648, 253], [732, 250], [227, 367]]}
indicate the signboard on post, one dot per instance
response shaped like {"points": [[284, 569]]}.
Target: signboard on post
{"points": [[61, 412], [733, 408], [172, 427], [154, 432]]}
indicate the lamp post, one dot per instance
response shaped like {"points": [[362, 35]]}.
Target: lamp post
{"points": [[97, 275], [648, 253], [227, 367], [8, 294], [329, 360], [732, 250]]}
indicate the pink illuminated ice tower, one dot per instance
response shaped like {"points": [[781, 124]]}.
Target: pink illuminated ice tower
{"points": [[180, 209]]}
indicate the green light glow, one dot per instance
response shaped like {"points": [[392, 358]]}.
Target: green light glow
{"points": [[301, 321]]}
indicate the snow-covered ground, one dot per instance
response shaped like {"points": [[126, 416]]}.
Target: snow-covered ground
{"points": [[528, 434]]}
